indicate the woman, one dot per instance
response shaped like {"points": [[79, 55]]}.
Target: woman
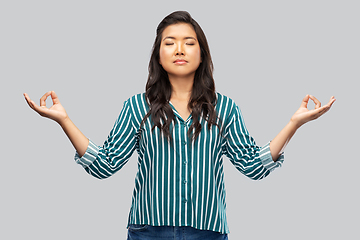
{"points": [[180, 128]]}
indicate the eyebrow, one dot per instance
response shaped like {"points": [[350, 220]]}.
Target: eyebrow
{"points": [[169, 37]]}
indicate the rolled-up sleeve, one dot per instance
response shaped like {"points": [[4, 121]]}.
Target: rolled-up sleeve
{"points": [[253, 161], [102, 162]]}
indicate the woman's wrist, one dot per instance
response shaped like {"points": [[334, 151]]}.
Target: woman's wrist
{"points": [[64, 122], [294, 125]]}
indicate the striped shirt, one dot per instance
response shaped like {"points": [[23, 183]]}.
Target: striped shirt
{"points": [[179, 183]]}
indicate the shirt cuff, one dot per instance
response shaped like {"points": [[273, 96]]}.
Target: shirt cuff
{"points": [[266, 158], [89, 157]]}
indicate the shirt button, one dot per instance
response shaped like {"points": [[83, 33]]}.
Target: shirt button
{"points": [[185, 181], [185, 162], [184, 142], [185, 200]]}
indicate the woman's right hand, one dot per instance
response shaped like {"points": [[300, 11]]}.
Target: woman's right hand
{"points": [[56, 112]]}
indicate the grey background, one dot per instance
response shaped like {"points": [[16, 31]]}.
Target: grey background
{"points": [[267, 54]]}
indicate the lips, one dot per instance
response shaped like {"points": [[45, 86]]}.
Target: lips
{"points": [[180, 61]]}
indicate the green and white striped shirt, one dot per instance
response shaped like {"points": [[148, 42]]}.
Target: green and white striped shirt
{"points": [[179, 183]]}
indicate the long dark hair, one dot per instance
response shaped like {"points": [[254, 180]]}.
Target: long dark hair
{"points": [[158, 87]]}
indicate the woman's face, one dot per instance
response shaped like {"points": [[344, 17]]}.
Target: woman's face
{"points": [[180, 53]]}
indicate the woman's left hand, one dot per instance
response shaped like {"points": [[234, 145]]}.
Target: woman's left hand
{"points": [[304, 115]]}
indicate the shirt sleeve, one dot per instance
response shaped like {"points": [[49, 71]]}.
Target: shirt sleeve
{"points": [[253, 161], [102, 162]]}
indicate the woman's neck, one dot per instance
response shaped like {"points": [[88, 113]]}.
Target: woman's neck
{"points": [[181, 87]]}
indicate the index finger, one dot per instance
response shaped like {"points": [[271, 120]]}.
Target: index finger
{"points": [[316, 101], [43, 99]]}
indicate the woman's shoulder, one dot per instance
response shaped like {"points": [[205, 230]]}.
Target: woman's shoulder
{"points": [[225, 107], [223, 100], [136, 97], [137, 101], [136, 107], [138, 104]]}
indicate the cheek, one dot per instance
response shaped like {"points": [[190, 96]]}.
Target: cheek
{"points": [[163, 55], [197, 55]]}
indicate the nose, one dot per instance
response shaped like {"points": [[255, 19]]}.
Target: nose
{"points": [[179, 50]]}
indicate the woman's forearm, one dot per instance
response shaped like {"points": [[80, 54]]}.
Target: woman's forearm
{"points": [[278, 144], [76, 137]]}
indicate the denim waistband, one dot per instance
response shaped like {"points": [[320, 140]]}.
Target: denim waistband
{"points": [[148, 232]]}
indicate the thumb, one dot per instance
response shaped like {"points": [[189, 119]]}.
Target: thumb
{"points": [[305, 101]]}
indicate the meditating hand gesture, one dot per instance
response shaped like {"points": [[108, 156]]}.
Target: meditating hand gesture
{"points": [[304, 115], [56, 112], [300, 117]]}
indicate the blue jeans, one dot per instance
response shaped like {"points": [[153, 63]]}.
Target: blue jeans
{"points": [[147, 232]]}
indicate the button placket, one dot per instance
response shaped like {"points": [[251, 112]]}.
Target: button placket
{"points": [[184, 129], [183, 144]]}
